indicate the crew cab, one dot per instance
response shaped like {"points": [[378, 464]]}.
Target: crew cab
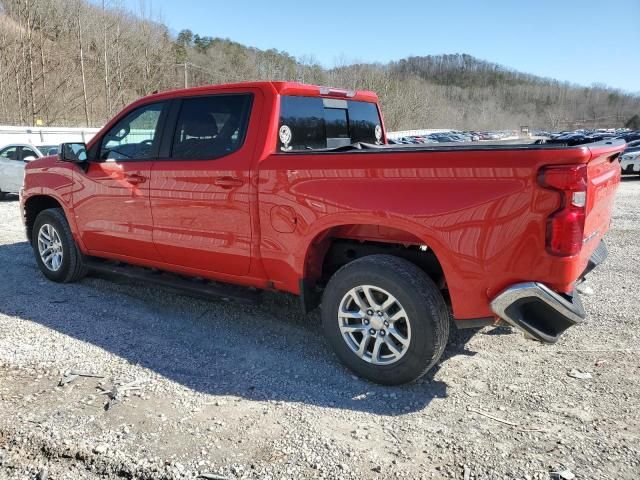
{"points": [[292, 187]]}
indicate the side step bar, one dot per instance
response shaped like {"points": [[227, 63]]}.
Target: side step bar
{"points": [[196, 287]]}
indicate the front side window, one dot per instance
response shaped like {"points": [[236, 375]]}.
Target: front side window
{"points": [[10, 153], [312, 123], [135, 136], [211, 127]]}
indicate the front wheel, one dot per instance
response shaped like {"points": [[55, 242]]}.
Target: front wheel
{"points": [[55, 250], [385, 319]]}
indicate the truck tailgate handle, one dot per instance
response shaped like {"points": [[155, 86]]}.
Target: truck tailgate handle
{"points": [[229, 182]]}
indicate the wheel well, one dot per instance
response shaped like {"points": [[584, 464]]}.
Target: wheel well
{"points": [[343, 251], [34, 206], [328, 255]]}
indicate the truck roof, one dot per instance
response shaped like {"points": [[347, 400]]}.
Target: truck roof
{"points": [[280, 88]]}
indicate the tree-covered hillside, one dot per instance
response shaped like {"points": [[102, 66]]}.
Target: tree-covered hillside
{"points": [[70, 62]]}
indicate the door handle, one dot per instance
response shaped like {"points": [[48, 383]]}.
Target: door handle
{"points": [[229, 182], [135, 179]]}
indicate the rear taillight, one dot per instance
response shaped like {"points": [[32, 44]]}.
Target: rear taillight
{"points": [[565, 226]]}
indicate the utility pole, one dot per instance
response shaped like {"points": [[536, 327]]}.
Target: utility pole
{"points": [[186, 76]]}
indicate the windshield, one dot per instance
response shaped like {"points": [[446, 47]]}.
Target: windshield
{"points": [[314, 123]]}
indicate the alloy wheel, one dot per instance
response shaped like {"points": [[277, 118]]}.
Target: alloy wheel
{"points": [[374, 325], [50, 247]]}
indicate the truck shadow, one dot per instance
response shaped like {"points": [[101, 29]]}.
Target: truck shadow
{"points": [[266, 352]]}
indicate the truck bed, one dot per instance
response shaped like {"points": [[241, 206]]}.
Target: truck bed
{"points": [[479, 207]]}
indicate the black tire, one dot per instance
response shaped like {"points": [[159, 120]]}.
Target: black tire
{"points": [[418, 295], [3, 195], [73, 266]]}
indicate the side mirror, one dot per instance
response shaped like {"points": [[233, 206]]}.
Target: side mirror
{"points": [[29, 158], [73, 152]]}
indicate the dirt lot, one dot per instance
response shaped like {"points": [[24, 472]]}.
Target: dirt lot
{"points": [[254, 391]]}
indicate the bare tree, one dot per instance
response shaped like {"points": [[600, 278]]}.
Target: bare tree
{"points": [[81, 56], [77, 62], [107, 83]]}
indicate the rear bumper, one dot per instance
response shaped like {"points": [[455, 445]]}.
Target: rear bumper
{"points": [[540, 312]]}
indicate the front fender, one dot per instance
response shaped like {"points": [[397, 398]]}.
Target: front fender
{"points": [[53, 180]]}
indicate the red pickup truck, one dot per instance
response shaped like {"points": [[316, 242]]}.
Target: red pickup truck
{"points": [[292, 187]]}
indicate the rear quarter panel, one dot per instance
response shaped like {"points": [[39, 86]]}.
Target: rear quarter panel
{"points": [[480, 211]]}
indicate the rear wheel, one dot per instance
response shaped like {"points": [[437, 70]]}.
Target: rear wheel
{"points": [[3, 195], [55, 250], [385, 319]]}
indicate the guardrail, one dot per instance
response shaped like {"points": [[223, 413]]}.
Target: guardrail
{"points": [[44, 135]]}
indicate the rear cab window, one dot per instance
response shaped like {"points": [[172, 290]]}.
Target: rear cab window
{"points": [[315, 123]]}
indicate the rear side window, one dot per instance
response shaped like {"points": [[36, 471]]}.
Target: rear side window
{"points": [[27, 152], [312, 123], [211, 127]]}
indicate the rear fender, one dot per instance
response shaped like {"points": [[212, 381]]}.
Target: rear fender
{"points": [[398, 231]]}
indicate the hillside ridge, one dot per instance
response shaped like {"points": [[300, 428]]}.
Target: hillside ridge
{"points": [[72, 63]]}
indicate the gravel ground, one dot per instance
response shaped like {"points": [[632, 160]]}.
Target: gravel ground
{"points": [[254, 391]]}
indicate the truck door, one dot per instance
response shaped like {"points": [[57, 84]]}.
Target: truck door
{"points": [[200, 193], [111, 201]]}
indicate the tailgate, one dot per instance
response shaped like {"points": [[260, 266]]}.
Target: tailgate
{"points": [[603, 177]]}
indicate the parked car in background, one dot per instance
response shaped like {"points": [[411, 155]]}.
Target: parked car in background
{"points": [[475, 136], [48, 149], [630, 158], [630, 136], [13, 158]]}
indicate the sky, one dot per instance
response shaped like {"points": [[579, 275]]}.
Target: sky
{"points": [[583, 42]]}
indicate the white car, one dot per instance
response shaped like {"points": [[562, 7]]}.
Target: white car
{"points": [[12, 160], [630, 158]]}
